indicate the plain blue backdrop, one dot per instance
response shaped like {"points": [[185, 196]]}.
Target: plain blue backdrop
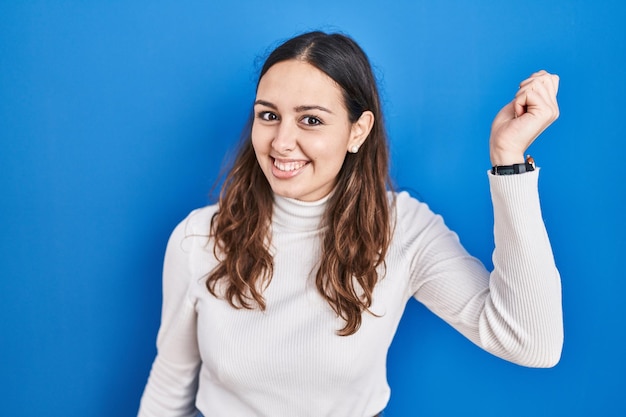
{"points": [[114, 121]]}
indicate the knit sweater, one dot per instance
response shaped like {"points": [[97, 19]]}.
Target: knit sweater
{"points": [[289, 361]]}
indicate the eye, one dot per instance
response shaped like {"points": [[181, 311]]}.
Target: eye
{"points": [[311, 121], [267, 116]]}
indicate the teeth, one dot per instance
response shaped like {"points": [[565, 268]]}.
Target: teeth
{"points": [[289, 166]]}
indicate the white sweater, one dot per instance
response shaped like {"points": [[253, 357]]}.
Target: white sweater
{"points": [[289, 361]]}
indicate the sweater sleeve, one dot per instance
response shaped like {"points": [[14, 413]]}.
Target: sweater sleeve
{"points": [[514, 312], [172, 384]]}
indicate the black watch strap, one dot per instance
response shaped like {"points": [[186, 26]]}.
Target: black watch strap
{"points": [[527, 166]]}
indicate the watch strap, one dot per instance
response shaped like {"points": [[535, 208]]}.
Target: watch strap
{"points": [[527, 166]]}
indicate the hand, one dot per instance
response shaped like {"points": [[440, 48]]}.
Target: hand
{"points": [[518, 124]]}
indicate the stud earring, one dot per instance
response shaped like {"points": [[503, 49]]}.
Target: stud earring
{"points": [[354, 149]]}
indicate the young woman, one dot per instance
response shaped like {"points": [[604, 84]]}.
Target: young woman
{"points": [[283, 298]]}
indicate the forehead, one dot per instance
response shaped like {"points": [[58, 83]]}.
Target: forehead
{"points": [[298, 82]]}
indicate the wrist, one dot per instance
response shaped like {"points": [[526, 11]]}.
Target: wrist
{"points": [[498, 159]]}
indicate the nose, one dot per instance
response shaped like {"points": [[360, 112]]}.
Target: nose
{"points": [[285, 138]]}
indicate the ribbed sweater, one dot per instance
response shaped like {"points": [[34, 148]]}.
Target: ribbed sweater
{"points": [[289, 361]]}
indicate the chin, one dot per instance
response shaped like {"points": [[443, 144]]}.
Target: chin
{"points": [[287, 194]]}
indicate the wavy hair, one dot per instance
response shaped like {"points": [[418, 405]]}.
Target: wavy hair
{"points": [[357, 217]]}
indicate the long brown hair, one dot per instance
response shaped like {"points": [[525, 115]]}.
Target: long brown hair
{"points": [[357, 215]]}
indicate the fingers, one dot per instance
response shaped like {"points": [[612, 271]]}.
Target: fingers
{"points": [[552, 80], [537, 95]]}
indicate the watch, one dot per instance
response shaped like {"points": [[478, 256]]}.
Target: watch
{"points": [[527, 166]]}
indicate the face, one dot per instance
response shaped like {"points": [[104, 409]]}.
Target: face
{"points": [[301, 131]]}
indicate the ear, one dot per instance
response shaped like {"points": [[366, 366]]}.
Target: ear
{"points": [[360, 130]]}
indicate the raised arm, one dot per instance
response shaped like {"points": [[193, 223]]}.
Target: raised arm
{"points": [[515, 310]]}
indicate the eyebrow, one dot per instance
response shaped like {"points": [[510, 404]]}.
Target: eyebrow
{"points": [[298, 109]]}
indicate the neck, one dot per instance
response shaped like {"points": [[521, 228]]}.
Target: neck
{"points": [[296, 215]]}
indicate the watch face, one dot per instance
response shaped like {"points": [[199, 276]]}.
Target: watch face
{"points": [[513, 169], [508, 170]]}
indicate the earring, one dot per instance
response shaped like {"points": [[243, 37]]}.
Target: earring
{"points": [[354, 149]]}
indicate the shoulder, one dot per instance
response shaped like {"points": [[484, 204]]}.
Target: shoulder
{"points": [[413, 220], [199, 220], [196, 224], [406, 207]]}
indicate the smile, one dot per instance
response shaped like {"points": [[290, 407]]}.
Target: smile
{"points": [[289, 166], [287, 169]]}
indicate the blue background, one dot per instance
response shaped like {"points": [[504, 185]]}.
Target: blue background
{"points": [[114, 120]]}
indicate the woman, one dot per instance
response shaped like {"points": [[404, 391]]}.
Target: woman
{"points": [[283, 299]]}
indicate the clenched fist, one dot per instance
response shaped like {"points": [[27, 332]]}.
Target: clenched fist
{"points": [[518, 124]]}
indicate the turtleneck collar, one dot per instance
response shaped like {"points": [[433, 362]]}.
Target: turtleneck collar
{"points": [[296, 215]]}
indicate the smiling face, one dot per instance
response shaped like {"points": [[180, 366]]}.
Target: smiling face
{"points": [[301, 131]]}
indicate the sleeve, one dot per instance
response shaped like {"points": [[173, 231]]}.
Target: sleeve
{"points": [[172, 384], [515, 311]]}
